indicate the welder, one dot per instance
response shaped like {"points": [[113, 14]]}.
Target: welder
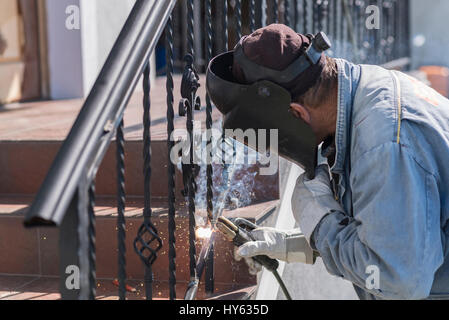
{"points": [[381, 197]]}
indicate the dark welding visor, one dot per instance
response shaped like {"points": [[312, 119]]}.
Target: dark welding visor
{"points": [[261, 105]]}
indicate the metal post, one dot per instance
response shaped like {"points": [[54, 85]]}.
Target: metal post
{"points": [[68, 253]]}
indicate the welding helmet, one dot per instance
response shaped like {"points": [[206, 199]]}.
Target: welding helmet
{"points": [[263, 102]]}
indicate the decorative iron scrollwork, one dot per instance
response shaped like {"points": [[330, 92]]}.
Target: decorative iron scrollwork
{"points": [[146, 249], [190, 102], [189, 85]]}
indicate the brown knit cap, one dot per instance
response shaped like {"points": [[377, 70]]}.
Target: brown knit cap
{"points": [[276, 46]]}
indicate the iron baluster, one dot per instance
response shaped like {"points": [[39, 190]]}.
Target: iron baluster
{"points": [[85, 247], [209, 267], [295, 14], [267, 12], [238, 17], [252, 15], [225, 25], [275, 11], [189, 102], [121, 223], [92, 251], [286, 12], [305, 18], [314, 15], [320, 15], [335, 24], [171, 167], [147, 242], [343, 29]]}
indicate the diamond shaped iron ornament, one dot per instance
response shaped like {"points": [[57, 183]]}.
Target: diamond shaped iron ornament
{"points": [[147, 243]]}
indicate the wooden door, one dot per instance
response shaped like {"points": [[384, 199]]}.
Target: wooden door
{"points": [[19, 51]]}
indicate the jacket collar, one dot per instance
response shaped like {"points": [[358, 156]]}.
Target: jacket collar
{"points": [[348, 80]]}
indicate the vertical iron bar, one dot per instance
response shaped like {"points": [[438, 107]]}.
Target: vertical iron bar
{"points": [[171, 168], [335, 24], [209, 268], [238, 17], [320, 15], [275, 10], [68, 252], [342, 30], [85, 246], [287, 12], [190, 21], [314, 15], [191, 182], [92, 251], [295, 14], [225, 25], [148, 276], [305, 18], [267, 12], [252, 15], [121, 223]]}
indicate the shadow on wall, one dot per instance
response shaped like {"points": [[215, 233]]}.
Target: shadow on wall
{"points": [[3, 44]]}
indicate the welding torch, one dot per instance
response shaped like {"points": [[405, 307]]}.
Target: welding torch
{"points": [[239, 232]]}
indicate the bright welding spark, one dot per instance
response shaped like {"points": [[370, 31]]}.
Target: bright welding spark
{"points": [[203, 232]]}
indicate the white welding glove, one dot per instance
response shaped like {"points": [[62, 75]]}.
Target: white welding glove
{"points": [[289, 246], [313, 199], [254, 267]]}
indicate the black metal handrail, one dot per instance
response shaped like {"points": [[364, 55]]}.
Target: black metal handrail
{"points": [[67, 196], [102, 111]]}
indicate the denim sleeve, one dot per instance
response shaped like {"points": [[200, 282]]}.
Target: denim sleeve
{"points": [[395, 229]]}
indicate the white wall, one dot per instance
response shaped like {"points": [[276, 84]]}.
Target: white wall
{"points": [[64, 52], [429, 23], [101, 22], [77, 56]]}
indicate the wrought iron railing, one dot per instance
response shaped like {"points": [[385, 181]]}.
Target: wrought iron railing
{"points": [[67, 197]]}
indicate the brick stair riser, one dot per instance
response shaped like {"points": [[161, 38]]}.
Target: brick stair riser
{"points": [[35, 251], [24, 164]]}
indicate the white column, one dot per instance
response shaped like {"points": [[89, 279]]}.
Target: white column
{"points": [[64, 52]]}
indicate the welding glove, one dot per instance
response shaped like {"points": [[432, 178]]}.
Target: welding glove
{"points": [[313, 199], [289, 246], [253, 266]]}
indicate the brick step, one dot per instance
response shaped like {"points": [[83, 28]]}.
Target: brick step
{"points": [[46, 288], [24, 164], [35, 251]]}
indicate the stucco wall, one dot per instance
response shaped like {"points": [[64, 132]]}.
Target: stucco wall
{"points": [[77, 56]]}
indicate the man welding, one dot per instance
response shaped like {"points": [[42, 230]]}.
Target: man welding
{"points": [[382, 198]]}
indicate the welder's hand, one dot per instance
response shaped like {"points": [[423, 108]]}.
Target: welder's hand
{"points": [[313, 199], [253, 266], [289, 246]]}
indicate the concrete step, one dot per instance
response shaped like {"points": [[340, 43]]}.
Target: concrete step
{"points": [[46, 288], [35, 251]]}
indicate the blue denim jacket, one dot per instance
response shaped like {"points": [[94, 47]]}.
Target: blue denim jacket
{"points": [[392, 160]]}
